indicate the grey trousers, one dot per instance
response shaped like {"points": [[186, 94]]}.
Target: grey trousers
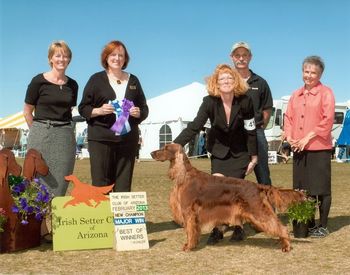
{"points": [[57, 145]]}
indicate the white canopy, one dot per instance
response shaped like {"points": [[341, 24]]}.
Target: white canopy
{"points": [[175, 109], [180, 103], [14, 121]]}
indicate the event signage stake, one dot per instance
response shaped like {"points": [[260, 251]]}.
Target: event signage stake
{"points": [[129, 220], [81, 226], [84, 219]]}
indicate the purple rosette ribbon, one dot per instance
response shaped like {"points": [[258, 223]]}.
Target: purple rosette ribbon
{"points": [[121, 125]]}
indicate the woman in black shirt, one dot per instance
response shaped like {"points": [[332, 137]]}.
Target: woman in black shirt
{"points": [[112, 131], [52, 95]]}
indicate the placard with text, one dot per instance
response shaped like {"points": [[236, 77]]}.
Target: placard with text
{"points": [[129, 220], [81, 226]]}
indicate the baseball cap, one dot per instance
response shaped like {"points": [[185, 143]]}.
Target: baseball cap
{"points": [[240, 44]]}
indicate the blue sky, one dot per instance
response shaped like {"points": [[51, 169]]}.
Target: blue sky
{"points": [[173, 43]]}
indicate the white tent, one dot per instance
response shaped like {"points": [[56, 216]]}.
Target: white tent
{"points": [[14, 121], [174, 109], [12, 129]]}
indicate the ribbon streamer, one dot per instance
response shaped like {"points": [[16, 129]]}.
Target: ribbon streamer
{"points": [[121, 125]]}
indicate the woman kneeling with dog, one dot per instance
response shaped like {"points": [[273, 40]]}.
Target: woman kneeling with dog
{"points": [[232, 136]]}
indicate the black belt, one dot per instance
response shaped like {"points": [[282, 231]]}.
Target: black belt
{"points": [[53, 124]]}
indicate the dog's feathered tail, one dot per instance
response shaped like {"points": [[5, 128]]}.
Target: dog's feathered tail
{"points": [[281, 199]]}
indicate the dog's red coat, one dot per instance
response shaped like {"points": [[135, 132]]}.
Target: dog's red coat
{"points": [[199, 199]]}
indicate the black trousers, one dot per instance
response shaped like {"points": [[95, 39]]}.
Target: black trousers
{"points": [[112, 162], [324, 208]]}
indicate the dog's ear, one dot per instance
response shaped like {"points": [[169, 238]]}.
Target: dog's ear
{"points": [[8, 164], [3, 168], [29, 166], [40, 165], [13, 166], [34, 163]]}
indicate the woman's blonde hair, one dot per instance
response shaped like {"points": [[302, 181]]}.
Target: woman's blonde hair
{"points": [[240, 87], [59, 46]]}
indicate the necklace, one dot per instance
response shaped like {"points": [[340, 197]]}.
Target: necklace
{"points": [[58, 80], [115, 79]]}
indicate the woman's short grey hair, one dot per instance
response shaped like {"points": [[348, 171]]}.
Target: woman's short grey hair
{"points": [[315, 60]]}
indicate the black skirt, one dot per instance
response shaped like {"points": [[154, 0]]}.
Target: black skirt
{"points": [[231, 166], [312, 172]]}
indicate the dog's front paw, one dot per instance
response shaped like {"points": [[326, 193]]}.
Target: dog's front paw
{"points": [[186, 248], [286, 248], [285, 245]]}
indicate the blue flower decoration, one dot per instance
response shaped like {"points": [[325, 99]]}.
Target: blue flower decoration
{"points": [[30, 197]]}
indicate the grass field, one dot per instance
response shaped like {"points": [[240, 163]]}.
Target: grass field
{"points": [[258, 254]]}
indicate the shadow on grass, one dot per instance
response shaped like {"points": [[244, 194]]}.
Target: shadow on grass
{"points": [[44, 247], [336, 223], [161, 226], [158, 227], [154, 242], [262, 242]]}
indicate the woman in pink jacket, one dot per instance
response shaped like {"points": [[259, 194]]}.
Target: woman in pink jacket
{"points": [[308, 125]]}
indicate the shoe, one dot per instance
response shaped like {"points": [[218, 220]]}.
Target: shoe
{"points": [[321, 232], [215, 236], [238, 234], [313, 229]]}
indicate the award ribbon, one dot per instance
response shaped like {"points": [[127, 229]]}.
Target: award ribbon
{"points": [[121, 125]]}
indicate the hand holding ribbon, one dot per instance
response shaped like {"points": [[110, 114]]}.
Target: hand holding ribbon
{"points": [[121, 125]]}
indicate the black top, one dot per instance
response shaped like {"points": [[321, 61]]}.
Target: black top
{"points": [[52, 101], [261, 95], [223, 137], [97, 92]]}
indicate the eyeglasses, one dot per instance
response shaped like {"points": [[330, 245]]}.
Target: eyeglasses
{"points": [[224, 79]]}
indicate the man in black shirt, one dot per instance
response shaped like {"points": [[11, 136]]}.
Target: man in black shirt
{"points": [[261, 95]]}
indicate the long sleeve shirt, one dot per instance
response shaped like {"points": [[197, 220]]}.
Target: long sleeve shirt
{"points": [[224, 137], [311, 111], [97, 92]]}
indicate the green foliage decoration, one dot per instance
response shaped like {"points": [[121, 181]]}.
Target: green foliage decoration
{"points": [[302, 212]]}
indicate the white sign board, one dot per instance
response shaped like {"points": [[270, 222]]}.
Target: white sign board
{"points": [[129, 220]]}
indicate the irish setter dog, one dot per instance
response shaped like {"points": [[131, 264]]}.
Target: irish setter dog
{"points": [[201, 200]]}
